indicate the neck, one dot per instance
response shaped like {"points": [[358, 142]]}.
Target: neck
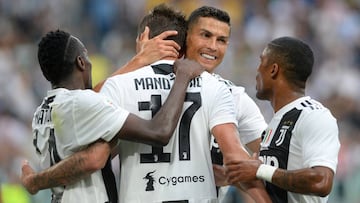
{"points": [[70, 83], [284, 97]]}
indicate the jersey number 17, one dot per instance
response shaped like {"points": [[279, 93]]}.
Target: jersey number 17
{"points": [[157, 154]]}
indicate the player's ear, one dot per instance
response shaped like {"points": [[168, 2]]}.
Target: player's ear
{"points": [[80, 63], [274, 70]]}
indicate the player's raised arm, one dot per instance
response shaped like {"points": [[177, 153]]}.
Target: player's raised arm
{"points": [[162, 126], [148, 51]]}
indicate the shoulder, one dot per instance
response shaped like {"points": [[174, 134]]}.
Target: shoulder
{"points": [[235, 90], [84, 99], [314, 113], [311, 106], [223, 80], [211, 81]]}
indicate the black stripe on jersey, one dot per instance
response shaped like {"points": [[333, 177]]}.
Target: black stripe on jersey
{"points": [[308, 104], [110, 183], [163, 69], [278, 151], [177, 201]]}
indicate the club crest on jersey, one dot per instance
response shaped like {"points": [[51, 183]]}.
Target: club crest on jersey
{"points": [[282, 132]]}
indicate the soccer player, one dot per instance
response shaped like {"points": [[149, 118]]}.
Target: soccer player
{"points": [[219, 121], [299, 149], [207, 41], [182, 170], [70, 118]]}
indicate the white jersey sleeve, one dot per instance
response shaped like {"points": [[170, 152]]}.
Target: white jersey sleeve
{"points": [[93, 116], [319, 133], [222, 109]]}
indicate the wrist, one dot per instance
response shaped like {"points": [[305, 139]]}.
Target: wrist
{"points": [[265, 172], [32, 185]]}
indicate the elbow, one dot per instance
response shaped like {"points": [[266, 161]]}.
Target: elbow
{"points": [[324, 184], [322, 192], [97, 163], [162, 140], [97, 156], [322, 189], [162, 137]]}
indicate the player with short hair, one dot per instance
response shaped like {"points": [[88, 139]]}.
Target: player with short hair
{"points": [[226, 129], [72, 117], [299, 149], [182, 170], [208, 36]]}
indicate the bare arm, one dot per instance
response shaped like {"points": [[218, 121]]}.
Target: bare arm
{"points": [[227, 137], [156, 131], [148, 51], [67, 171], [312, 181], [254, 146], [219, 170], [159, 129]]}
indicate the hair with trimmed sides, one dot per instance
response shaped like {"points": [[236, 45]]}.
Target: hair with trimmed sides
{"points": [[296, 58], [163, 18], [57, 52], [208, 11]]}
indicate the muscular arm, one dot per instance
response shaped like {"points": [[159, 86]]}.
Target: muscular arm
{"points": [[159, 129], [67, 171], [313, 181], [232, 150]]}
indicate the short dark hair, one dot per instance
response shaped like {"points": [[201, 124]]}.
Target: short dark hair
{"points": [[57, 54], [163, 18], [295, 56], [208, 11]]}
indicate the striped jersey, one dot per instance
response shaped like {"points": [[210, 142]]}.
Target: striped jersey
{"points": [[302, 134], [182, 170], [68, 121]]}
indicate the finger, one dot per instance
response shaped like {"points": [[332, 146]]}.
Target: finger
{"points": [[171, 53], [255, 156], [173, 44], [232, 162], [145, 35], [26, 168], [167, 34]]}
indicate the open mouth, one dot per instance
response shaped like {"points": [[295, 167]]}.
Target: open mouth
{"points": [[207, 56]]}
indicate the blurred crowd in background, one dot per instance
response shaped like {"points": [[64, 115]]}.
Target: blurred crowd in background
{"points": [[108, 29]]}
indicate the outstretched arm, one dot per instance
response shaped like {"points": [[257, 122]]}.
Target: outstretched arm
{"points": [[148, 51]]}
